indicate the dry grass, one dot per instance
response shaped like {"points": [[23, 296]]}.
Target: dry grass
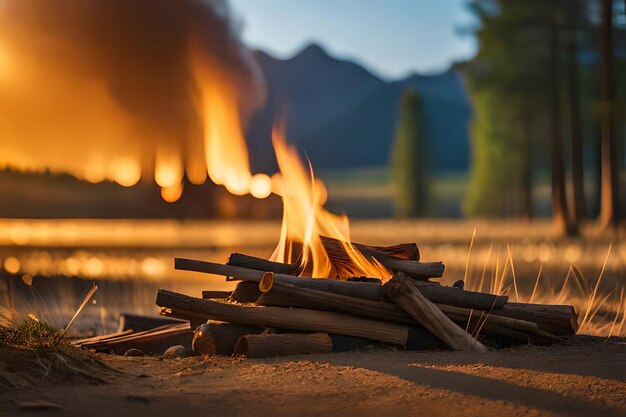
{"points": [[34, 352]]}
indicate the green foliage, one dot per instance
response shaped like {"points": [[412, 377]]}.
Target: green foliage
{"points": [[32, 334], [508, 82], [409, 167]]}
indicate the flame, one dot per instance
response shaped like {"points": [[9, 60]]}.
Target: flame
{"points": [[305, 220]]}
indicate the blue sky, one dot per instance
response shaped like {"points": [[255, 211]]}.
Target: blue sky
{"points": [[390, 37]]}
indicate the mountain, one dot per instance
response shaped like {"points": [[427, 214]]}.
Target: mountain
{"points": [[341, 115]]}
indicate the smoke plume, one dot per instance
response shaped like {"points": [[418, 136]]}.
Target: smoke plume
{"points": [[111, 89]]}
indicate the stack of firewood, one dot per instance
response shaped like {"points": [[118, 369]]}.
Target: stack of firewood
{"points": [[274, 312]]}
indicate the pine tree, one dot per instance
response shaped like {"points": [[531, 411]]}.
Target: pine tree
{"points": [[409, 158]]}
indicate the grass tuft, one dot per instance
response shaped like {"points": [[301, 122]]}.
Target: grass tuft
{"points": [[34, 335]]}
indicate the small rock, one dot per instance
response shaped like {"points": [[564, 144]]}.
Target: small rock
{"points": [[134, 352], [203, 342], [177, 351]]}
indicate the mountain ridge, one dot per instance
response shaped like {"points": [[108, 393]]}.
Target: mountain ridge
{"points": [[342, 115]]}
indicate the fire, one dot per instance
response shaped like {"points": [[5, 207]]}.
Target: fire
{"points": [[105, 107], [305, 220]]}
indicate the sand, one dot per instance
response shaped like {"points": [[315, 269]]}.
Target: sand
{"points": [[585, 377]]}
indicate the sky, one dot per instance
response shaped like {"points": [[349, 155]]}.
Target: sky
{"points": [[392, 38]]}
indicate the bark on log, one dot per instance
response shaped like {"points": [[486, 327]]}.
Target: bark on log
{"points": [[245, 292], [139, 323], [366, 290], [217, 295], [271, 345], [403, 292], [285, 295], [285, 318], [458, 297], [252, 262], [555, 319], [342, 262]]}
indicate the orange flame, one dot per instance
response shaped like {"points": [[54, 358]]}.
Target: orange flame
{"points": [[305, 220]]}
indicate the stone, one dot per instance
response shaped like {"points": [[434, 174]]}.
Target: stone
{"points": [[203, 342], [177, 351]]}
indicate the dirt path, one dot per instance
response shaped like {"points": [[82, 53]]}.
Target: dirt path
{"points": [[586, 377]]}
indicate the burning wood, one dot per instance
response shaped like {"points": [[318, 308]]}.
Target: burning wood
{"points": [[366, 290], [336, 315]]}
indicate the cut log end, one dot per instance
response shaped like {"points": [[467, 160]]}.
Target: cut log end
{"points": [[266, 282]]}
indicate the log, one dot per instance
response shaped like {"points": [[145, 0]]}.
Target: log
{"points": [[245, 292], [419, 338], [555, 319], [286, 295], [252, 262], [100, 338], [284, 318], [224, 336], [271, 345], [441, 294], [403, 251], [139, 323], [342, 262], [401, 290], [366, 290], [154, 341], [217, 295]]}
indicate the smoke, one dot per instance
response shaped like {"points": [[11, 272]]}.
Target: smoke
{"points": [[105, 89]]}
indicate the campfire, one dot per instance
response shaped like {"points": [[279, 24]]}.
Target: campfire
{"points": [[318, 291], [273, 311]]}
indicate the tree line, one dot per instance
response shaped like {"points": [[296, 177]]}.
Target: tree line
{"points": [[547, 87]]}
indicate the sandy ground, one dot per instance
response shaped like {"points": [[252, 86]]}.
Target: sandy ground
{"points": [[586, 377]]}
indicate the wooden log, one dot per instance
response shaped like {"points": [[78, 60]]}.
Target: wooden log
{"points": [[342, 262], [458, 297], [271, 345], [403, 251], [138, 322], [245, 292], [366, 290], [224, 336], [555, 319], [403, 292], [286, 295], [154, 341], [100, 338], [418, 339], [216, 295], [252, 262], [285, 318]]}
